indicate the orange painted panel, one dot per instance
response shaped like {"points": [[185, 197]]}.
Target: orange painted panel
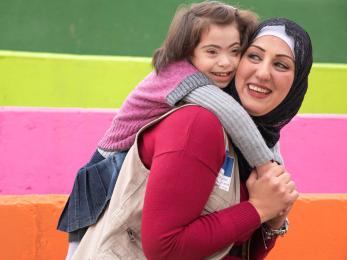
{"points": [[318, 228], [28, 227]]}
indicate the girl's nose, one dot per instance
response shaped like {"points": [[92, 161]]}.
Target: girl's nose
{"points": [[224, 61]]}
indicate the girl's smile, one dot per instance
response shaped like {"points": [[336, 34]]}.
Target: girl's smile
{"points": [[218, 53]]}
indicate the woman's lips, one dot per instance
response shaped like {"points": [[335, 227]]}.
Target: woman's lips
{"points": [[258, 91]]}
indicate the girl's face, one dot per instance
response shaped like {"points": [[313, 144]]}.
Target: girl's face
{"points": [[265, 75], [218, 53]]}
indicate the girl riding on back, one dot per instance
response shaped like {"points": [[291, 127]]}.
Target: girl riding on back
{"points": [[197, 60]]}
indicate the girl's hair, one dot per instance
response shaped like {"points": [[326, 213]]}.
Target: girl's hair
{"points": [[190, 21]]}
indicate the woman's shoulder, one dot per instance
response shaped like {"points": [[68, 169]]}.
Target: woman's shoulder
{"points": [[196, 117], [189, 131], [186, 125], [193, 126], [202, 113]]}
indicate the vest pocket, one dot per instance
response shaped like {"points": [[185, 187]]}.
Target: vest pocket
{"points": [[126, 245], [217, 202]]}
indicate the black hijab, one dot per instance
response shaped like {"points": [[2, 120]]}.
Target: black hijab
{"points": [[270, 124]]}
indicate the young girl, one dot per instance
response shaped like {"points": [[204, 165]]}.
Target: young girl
{"points": [[202, 50]]}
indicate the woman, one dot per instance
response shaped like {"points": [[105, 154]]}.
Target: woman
{"points": [[189, 194]]}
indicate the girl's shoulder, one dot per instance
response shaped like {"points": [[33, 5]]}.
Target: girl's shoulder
{"points": [[176, 70]]}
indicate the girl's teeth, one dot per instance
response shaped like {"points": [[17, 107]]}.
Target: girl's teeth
{"points": [[222, 74], [258, 89]]}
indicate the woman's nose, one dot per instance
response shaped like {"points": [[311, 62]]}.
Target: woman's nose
{"points": [[263, 71]]}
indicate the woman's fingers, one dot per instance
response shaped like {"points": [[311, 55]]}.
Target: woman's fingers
{"points": [[251, 179], [276, 171], [284, 177], [291, 186], [272, 193]]}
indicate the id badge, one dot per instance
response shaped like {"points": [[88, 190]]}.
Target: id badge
{"points": [[225, 174]]}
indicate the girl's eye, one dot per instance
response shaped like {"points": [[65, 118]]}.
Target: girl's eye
{"points": [[236, 51], [211, 51]]}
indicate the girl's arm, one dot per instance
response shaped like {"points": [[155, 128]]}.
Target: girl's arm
{"points": [[236, 122], [277, 153]]}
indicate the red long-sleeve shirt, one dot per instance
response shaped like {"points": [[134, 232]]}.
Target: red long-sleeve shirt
{"points": [[184, 153]]}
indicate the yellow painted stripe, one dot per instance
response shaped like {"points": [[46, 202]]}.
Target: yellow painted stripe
{"points": [[63, 80]]}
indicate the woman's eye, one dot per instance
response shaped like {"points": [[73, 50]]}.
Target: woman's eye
{"points": [[281, 66], [253, 57]]}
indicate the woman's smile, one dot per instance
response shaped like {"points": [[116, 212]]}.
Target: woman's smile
{"points": [[265, 75], [258, 91]]}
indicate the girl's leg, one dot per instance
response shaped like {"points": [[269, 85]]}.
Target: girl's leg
{"points": [[114, 163], [76, 236], [72, 248]]}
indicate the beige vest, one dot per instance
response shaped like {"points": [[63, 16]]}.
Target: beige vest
{"points": [[117, 234]]}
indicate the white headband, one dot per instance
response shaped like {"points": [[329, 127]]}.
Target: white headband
{"points": [[280, 32]]}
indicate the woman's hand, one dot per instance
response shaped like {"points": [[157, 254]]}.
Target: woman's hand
{"points": [[262, 169], [272, 193], [278, 221]]}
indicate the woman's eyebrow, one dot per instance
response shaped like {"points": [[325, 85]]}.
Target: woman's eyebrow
{"points": [[278, 55], [256, 46], [286, 56]]}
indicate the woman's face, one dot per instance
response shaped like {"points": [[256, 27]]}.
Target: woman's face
{"points": [[265, 75]]}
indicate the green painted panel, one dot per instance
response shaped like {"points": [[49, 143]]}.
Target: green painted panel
{"points": [[137, 27], [56, 80]]}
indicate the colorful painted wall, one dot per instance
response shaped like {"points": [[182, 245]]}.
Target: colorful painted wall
{"points": [[55, 107], [137, 27]]}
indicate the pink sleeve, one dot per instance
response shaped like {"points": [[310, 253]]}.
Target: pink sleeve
{"points": [[185, 152], [157, 87]]}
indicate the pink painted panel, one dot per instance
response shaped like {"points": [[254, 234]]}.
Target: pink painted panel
{"points": [[314, 148], [42, 149]]}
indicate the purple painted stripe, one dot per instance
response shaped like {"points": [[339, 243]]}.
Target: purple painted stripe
{"points": [[41, 149]]}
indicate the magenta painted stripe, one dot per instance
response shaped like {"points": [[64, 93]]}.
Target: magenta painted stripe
{"points": [[41, 149], [314, 148]]}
